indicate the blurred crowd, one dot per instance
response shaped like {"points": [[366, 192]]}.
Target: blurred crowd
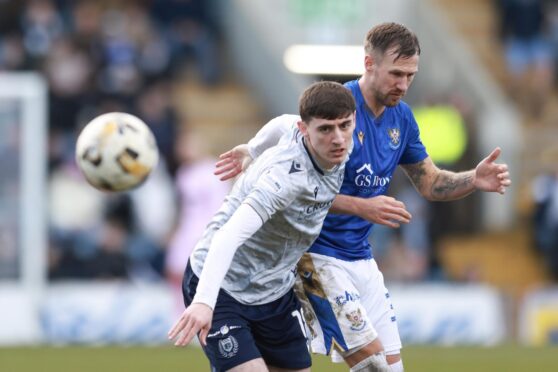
{"points": [[130, 55], [529, 35], [101, 56], [528, 30]]}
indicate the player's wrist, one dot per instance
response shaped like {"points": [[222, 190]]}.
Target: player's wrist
{"points": [[359, 206], [475, 180], [205, 301]]}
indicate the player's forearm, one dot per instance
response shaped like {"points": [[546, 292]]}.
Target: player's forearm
{"points": [[345, 204], [436, 184], [451, 186], [242, 224]]}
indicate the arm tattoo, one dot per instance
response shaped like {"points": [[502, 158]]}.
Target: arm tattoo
{"points": [[449, 185], [416, 173]]}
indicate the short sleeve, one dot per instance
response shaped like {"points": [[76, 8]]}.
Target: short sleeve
{"points": [[414, 150]]}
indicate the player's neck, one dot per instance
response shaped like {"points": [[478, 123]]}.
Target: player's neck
{"points": [[315, 158], [375, 107]]}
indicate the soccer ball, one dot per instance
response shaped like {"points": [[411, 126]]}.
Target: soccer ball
{"points": [[116, 151]]}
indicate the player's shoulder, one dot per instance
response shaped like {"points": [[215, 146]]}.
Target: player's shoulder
{"points": [[354, 88], [404, 112], [404, 108], [286, 119], [289, 159], [351, 84]]}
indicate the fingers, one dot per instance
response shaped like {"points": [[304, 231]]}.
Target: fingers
{"points": [[389, 223], [401, 216], [203, 335], [395, 219], [188, 334], [224, 162], [225, 166], [232, 163], [177, 327], [388, 211], [225, 155], [397, 211], [404, 215], [185, 327], [503, 175], [227, 176], [506, 182]]}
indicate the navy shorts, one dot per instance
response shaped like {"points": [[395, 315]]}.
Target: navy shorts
{"points": [[240, 333]]}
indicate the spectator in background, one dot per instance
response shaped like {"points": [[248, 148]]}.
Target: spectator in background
{"points": [[551, 12], [190, 33], [101, 56], [154, 107], [154, 210], [42, 24], [545, 218], [12, 52], [201, 194], [528, 52]]}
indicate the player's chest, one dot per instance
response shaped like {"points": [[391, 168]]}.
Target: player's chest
{"points": [[318, 197], [376, 154]]}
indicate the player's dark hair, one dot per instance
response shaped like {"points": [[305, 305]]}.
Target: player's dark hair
{"points": [[326, 100], [389, 35]]}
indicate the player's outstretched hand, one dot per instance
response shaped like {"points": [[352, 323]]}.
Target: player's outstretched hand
{"points": [[196, 318], [233, 162], [491, 176], [385, 210]]}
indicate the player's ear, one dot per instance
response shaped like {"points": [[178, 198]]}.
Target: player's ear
{"points": [[368, 62], [302, 127]]}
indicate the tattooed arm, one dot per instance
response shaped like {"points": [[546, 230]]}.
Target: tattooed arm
{"points": [[436, 184]]}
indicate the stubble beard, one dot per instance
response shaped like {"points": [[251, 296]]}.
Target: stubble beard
{"points": [[385, 100]]}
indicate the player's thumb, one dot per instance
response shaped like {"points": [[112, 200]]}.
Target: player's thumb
{"points": [[493, 155]]}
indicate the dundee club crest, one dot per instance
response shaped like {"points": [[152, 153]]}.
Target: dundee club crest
{"points": [[228, 347]]}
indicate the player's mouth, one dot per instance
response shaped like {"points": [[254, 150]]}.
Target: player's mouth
{"points": [[338, 152]]}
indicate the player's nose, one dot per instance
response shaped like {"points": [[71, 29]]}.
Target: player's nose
{"points": [[402, 85], [338, 137]]}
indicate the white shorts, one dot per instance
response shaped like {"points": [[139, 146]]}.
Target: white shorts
{"points": [[346, 305]]}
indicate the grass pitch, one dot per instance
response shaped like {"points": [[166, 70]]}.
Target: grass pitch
{"points": [[508, 358]]}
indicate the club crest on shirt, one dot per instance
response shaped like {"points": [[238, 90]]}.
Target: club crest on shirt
{"points": [[228, 347], [394, 138], [355, 317]]}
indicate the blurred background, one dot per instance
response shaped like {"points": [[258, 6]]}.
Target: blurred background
{"points": [[78, 266]]}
